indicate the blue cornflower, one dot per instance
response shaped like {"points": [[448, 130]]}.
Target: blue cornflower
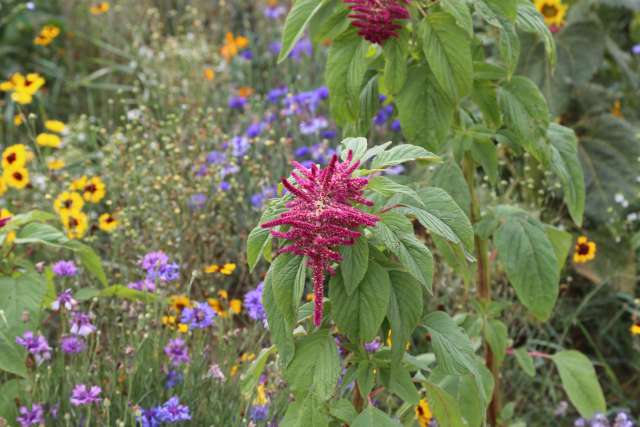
{"points": [[216, 157], [259, 412], [174, 378], [172, 411], [237, 102], [199, 316], [253, 303]]}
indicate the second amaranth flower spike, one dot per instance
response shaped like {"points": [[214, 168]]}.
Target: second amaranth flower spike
{"points": [[376, 19], [321, 217]]}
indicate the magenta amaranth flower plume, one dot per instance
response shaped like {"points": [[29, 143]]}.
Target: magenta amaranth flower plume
{"points": [[376, 19], [321, 217]]}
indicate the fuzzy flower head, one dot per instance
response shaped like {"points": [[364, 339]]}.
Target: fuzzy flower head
{"points": [[83, 395], [172, 411], [81, 324], [66, 300], [320, 218], [253, 303], [177, 351], [36, 345], [65, 269], [31, 417], [376, 20], [199, 316], [72, 344]]}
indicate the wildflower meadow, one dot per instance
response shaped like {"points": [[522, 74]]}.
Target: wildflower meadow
{"points": [[320, 213]]}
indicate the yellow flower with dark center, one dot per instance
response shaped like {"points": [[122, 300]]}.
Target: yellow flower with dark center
{"points": [[94, 190], [228, 269], [100, 8], [11, 236], [78, 184], [3, 186], [55, 164], [553, 12], [233, 371], [68, 202], [584, 251], [183, 328], [209, 73], [54, 126], [168, 320], [223, 294], [216, 305], [47, 34], [16, 177], [75, 223], [179, 302], [261, 395], [18, 119], [14, 156], [107, 222], [213, 268], [235, 306], [23, 87], [48, 140], [423, 413], [635, 329]]}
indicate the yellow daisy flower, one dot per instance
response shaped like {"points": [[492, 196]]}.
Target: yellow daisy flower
{"points": [[18, 119], [634, 329], [14, 156], [16, 177], [94, 190], [50, 31], [228, 269], [223, 294], [3, 186], [55, 164], [22, 98], [179, 302], [68, 202], [209, 73], [75, 223], [107, 222], [553, 11], [48, 140], [423, 413], [213, 268], [585, 250], [54, 126], [100, 8], [247, 357], [183, 328], [235, 306]]}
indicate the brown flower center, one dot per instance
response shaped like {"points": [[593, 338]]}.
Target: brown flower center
{"points": [[67, 204], [12, 157], [73, 223], [583, 249], [549, 11], [18, 176], [91, 188]]}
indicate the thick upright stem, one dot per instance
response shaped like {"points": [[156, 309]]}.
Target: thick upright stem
{"points": [[483, 283]]}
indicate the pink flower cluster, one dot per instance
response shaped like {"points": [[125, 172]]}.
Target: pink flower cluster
{"points": [[321, 217], [376, 19]]}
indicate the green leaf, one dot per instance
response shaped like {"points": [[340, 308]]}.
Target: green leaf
{"points": [[460, 11], [250, 379], [19, 220], [565, 164], [562, 242], [395, 65], [307, 413], [323, 27], [425, 112], [401, 384], [285, 283], [580, 381], [315, 368], [444, 406], [497, 336], [447, 48], [485, 96], [343, 410], [358, 147], [504, 8], [36, 232], [372, 416], [387, 187], [12, 356], [509, 47], [400, 154], [345, 69], [280, 329], [525, 361], [366, 377], [360, 314], [353, 266], [485, 152], [530, 263], [450, 178], [529, 20], [19, 293], [524, 108], [296, 22], [260, 238], [90, 260], [405, 309], [11, 391]]}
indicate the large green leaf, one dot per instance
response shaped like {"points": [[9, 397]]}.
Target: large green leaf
{"points": [[528, 19], [360, 314], [90, 260], [580, 381], [310, 412], [12, 356], [296, 22], [355, 260], [19, 293], [250, 379], [259, 238], [395, 63], [497, 336], [447, 48], [530, 262], [400, 154], [280, 329], [285, 284], [315, 367], [12, 391], [372, 416], [444, 407], [505, 8], [450, 178], [37, 232], [425, 112], [460, 11], [346, 66], [404, 311], [565, 164]]}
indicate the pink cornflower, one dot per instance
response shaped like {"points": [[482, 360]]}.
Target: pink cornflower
{"points": [[321, 217], [376, 19], [84, 395]]}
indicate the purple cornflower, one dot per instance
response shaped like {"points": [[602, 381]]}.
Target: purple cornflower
{"points": [[169, 272], [216, 158], [275, 11], [302, 47], [153, 260], [253, 303], [301, 151], [149, 417], [199, 316], [83, 395], [267, 193], [71, 344], [173, 379], [328, 134], [172, 411], [255, 129], [224, 186], [239, 146], [229, 169], [81, 324], [237, 102], [31, 417], [247, 54], [197, 201], [313, 125], [321, 217], [274, 95], [144, 285], [372, 346], [636, 49], [177, 351], [65, 269], [66, 300], [394, 170], [36, 345], [383, 115], [259, 412], [275, 47], [395, 126]]}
